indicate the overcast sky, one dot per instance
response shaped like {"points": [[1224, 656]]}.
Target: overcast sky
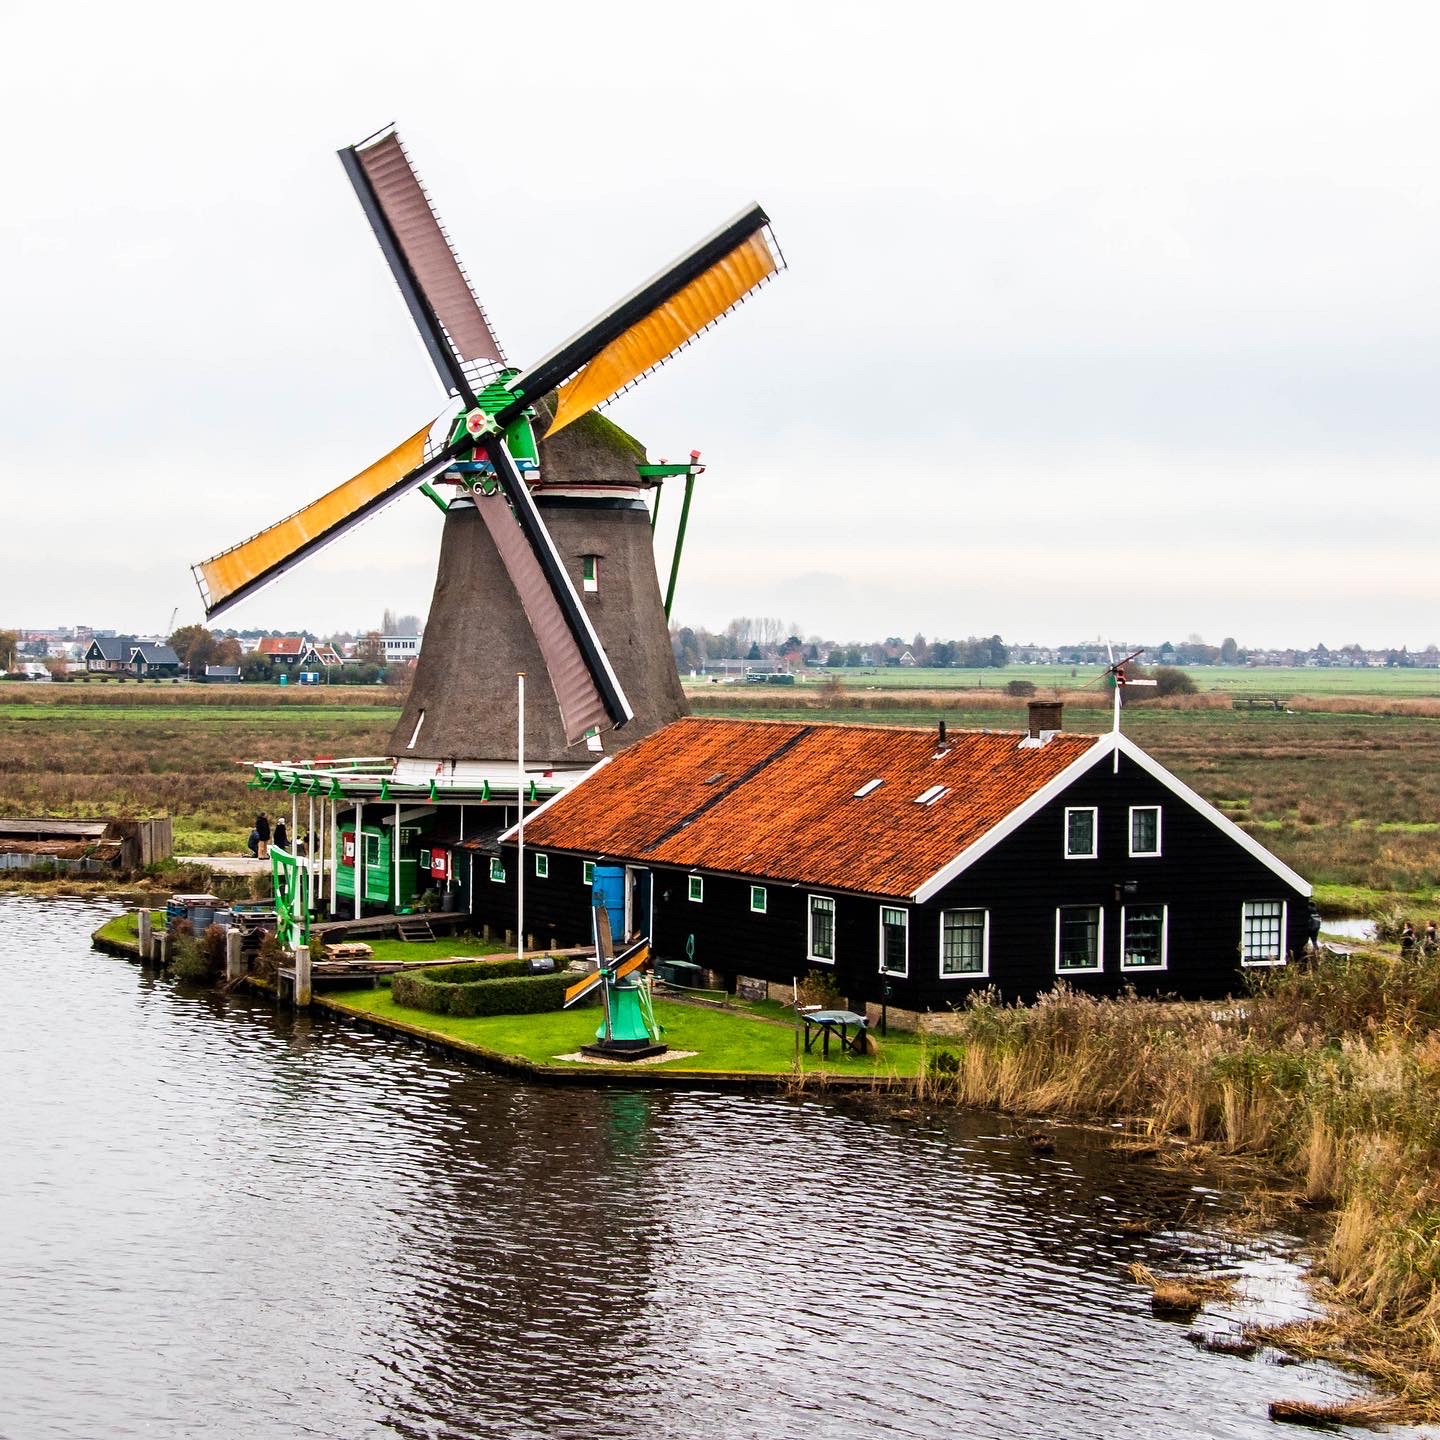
{"points": [[1100, 318]]}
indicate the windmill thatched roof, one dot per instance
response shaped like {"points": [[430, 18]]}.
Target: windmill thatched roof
{"points": [[590, 451]]}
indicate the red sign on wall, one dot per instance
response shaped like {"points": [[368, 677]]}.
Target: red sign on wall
{"points": [[440, 864], [347, 848]]}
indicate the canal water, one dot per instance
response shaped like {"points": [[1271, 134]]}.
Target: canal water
{"points": [[216, 1220]]}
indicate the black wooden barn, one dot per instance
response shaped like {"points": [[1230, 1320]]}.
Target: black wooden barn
{"points": [[908, 863]]}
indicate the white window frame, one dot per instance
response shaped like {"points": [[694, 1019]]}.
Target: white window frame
{"points": [[1159, 821], [1284, 931], [695, 889], [424, 859], [898, 910], [1164, 940], [983, 972], [1099, 967], [763, 907], [497, 869], [542, 865], [810, 929], [590, 574], [367, 840], [1094, 851], [587, 873]]}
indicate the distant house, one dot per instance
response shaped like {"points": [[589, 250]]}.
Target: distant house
{"points": [[284, 650], [400, 647], [109, 655], [907, 865], [320, 657], [153, 660], [226, 674]]}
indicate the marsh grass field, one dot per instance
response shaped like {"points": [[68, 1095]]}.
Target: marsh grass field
{"points": [[1344, 785]]}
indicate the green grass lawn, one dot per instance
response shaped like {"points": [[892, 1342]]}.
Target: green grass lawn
{"points": [[723, 1040], [462, 947]]}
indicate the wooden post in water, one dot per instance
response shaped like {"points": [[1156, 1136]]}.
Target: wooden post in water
{"points": [[143, 924], [302, 976], [234, 962], [161, 948]]}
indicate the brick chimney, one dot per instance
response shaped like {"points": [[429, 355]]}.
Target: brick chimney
{"points": [[1045, 719]]}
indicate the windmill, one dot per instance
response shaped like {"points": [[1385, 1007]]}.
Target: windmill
{"points": [[628, 1030], [506, 597], [1119, 678]]}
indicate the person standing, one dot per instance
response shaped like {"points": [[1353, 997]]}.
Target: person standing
{"points": [[1431, 940], [262, 834], [1312, 928], [282, 835], [1407, 939]]}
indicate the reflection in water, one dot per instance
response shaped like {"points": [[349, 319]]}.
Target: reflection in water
{"points": [[219, 1220]]}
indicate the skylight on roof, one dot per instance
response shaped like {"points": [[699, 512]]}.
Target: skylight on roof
{"points": [[930, 796], [867, 787]]}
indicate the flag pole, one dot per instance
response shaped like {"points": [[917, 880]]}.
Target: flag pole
{"points": [[520, 829]]}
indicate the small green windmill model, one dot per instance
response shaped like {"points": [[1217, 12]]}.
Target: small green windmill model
{"points": [[628, 1030]]}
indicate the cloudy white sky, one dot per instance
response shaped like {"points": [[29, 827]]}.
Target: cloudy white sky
{"points": [[1100, 318]]}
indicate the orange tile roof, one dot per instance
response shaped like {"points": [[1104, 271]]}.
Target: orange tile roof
{"points": [[757, 797], [280, 645]]}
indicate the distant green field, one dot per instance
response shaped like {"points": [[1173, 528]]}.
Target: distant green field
{"points": [[1233, 679]]}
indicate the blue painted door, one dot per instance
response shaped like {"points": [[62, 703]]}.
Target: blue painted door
{"points": [[609, 890]]}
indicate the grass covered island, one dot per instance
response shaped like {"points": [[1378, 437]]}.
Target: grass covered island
{"points": [[754, 1040]]}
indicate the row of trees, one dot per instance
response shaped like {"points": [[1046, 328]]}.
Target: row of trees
{"points": [[764, 640]]}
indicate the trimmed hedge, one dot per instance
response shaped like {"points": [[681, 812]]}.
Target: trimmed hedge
{"points": [[484, 987]]}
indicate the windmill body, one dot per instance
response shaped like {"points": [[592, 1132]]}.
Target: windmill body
{"points": [[460, 710]]}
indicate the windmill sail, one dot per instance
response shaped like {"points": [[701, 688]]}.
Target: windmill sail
{"points": [[650, 324], [437, 292], [586, 687], [244, 568]]}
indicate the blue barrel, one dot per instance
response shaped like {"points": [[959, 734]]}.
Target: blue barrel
{"points": [[609, 891], [202, 917], [224, 919]]}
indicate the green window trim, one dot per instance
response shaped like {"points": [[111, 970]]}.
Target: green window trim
{"points": [[695, 888], [758, 900], [542, 865], [587, 873], [497, 869]]}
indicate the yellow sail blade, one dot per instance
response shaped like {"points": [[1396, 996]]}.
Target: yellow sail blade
{"points": [[273, 550], [652, 340]]}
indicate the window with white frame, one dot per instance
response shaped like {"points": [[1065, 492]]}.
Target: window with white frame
{"points": [[587, 873], [1078, 931], [820, 931], [590, 573], [964, 942], [424, 859], [695, 888], [1144, 830], [497, 869], [1142, 937], [1081, 833], [758, 899], [894, 940], [372, 851], [1262, 932], [542, 865]]}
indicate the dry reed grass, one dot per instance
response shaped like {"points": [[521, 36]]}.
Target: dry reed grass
{"points": [[1181, 1295]]}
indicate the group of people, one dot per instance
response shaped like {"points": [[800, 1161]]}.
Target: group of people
{"points": [[1427, 941], [259, 841]]}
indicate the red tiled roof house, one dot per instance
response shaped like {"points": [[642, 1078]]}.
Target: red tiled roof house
{"points": [[929, 864]]}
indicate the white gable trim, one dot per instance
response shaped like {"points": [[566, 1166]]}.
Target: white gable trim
{"points": [[1105, 745], [559, 795], [1246, 842], [1015, 819]]}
